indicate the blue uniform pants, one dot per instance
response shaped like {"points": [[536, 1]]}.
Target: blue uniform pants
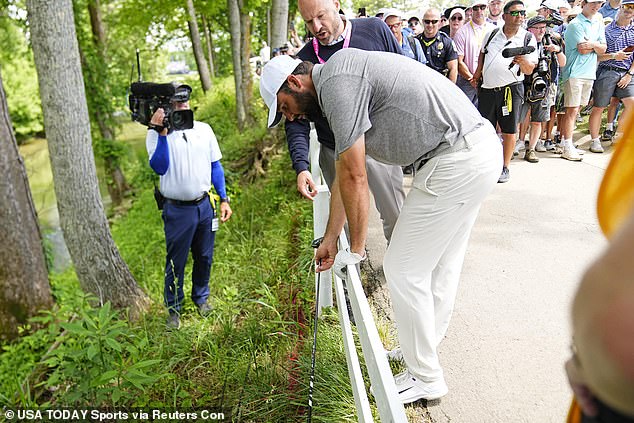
{"points": [[187, 227]]}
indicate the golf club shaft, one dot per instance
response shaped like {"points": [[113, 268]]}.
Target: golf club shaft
{"points": [[314, 351]]}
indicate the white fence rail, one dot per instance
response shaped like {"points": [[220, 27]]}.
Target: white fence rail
{"points": [[389, 407]]}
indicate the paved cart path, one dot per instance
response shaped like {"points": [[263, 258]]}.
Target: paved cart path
{"points": [[509, 337]]}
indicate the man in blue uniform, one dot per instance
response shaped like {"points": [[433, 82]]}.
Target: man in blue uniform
{"points": [[438, 47], [188, 162], [332, 33]]}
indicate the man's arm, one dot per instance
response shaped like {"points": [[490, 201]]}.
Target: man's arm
{"points": [[156, 144], [353, 187], [298, 139], [452, 65], [349, 197], [525, 63], [218, 179], [477, 75], [463, 69]]}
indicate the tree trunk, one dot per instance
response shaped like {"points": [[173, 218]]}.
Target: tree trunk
{"points": [[234, 26], [201, 63], [115, 179], [279, 23], [99, 266], [24, 287], [209, 45], [245, 55]]}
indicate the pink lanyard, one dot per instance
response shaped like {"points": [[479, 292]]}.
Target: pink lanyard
{"points": [[346, 41]]}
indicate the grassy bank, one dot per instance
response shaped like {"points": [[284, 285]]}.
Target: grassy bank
{"points": [[250, 358]]}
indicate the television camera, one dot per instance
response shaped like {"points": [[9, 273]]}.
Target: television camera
{"points": [[145, 98]]}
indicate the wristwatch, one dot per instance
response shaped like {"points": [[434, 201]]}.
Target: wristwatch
{"points": [[225, 200], [630, 72]]}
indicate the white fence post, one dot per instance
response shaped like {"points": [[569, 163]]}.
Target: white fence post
{"points": [[390, 408]]}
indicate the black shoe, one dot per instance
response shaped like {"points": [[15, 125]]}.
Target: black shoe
{"points": [[548, 145], [204, 309], [607, 135], [173, 321]]}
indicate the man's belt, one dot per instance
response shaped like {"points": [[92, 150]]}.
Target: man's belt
{"points": [[187, 203], [614, 68], [498, 89]]}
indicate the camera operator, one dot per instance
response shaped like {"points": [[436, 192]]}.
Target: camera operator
{"points": [[502, 92], [539, 87], [188, 161]]}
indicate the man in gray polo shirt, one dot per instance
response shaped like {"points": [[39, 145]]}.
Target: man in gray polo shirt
{"points": [[398, 111]]}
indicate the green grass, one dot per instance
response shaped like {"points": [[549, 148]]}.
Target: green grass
{"points": [[250, 357]]}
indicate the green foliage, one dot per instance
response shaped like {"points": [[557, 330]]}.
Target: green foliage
{"points": [[19, 78], [99, 361], [251, 356]]}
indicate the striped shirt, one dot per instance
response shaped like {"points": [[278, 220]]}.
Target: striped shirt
{"points": [[617, 38]]}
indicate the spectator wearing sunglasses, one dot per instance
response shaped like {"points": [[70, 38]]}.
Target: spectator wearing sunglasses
{"points": [[438, 47], [456, 21], [409, 44], [413, 23], [502, 90], [468, 42]]}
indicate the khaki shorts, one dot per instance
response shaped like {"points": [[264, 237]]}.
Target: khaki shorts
{"points": [[577, 92]]}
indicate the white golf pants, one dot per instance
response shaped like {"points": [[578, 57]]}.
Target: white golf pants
{"points": [[424, 259]]}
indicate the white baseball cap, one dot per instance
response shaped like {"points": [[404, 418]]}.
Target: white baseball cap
{"points": [[392, 12], [274, 74]]}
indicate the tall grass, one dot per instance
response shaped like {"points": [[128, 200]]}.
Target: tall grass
{"points": [[250, 357]]}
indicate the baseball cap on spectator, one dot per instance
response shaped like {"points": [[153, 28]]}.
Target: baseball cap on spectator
{"points": [[479, 3], [574, 12], [535, 20], [550, 4], [381, 13], [563, 4], [391, 12], [627, 1], [414, 14], [274, 75], [450, 11]]}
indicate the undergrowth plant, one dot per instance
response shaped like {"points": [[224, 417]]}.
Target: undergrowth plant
{"points": [[250, 357]]}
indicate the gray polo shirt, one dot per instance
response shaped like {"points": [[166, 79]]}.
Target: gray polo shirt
{"points": [[405, 109]]}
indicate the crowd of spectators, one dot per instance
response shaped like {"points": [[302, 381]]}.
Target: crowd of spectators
{"points": [[580, 62]]}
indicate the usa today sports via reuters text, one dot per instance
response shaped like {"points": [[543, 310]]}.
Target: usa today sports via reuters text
{"points": [[103, 416]]}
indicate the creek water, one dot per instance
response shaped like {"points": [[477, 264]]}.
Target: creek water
{"points": [[38, 168]]}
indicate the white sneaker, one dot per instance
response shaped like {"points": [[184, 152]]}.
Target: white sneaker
{"points": [[519, 146], [596, 146], [395, 355], [411, 389], [572, 154], [539, 147], [579, 151]]}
